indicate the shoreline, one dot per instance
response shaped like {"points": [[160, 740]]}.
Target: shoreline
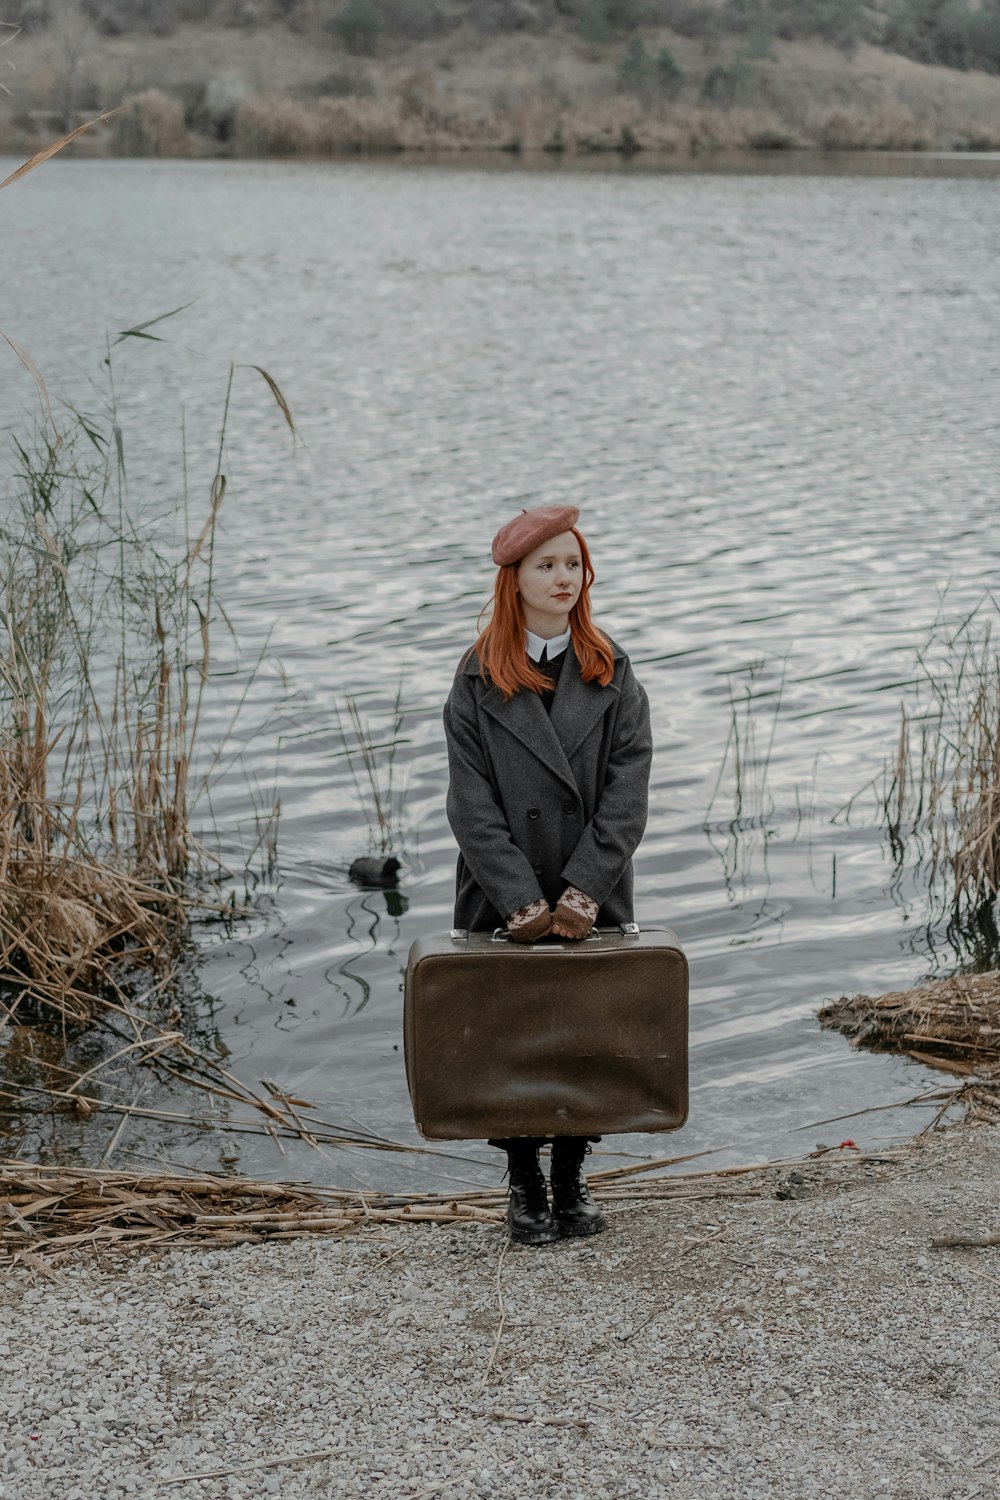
{"points": [[794, 161], [797, 1341]]}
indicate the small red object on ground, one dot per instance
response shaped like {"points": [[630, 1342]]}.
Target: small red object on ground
{"points": [[850, 1145]]}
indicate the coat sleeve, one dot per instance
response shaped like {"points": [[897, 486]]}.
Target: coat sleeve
{"points": [[611, 837], [477, 819]]}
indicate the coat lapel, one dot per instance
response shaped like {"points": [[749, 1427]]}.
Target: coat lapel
{"points": [[524, 717], [575, 709], [578, 705]]}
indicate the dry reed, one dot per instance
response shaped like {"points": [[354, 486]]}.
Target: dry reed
{"points": [[151, 123], [377, 781], [939, 798], [95, 739], [104, 665], [742, 831]]}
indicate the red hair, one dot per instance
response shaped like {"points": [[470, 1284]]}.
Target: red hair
{"points": [[500, 646]]}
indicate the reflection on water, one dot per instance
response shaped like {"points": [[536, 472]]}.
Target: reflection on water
{"points": [[773, 397]]}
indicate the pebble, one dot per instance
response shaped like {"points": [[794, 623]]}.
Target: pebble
{"points": [[792, 1360]]}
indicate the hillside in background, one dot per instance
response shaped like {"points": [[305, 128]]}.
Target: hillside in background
{"points": [[323, 77]]}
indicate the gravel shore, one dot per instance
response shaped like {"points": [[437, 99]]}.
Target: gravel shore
{"points": [[804, 1342]]}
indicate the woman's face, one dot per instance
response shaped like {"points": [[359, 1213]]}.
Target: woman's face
{"points": [[549, 580]]}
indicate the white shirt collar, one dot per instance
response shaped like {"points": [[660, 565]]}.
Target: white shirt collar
{"points": [[533, 644]]}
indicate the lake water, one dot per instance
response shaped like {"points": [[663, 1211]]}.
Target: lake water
{"points": [[774, 397]]}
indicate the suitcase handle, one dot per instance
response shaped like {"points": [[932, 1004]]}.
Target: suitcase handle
{"points": [[500, 934]]}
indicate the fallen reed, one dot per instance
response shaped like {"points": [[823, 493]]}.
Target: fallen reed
{"points": [[949, 1024], [952, 1024], [52, 1212]]}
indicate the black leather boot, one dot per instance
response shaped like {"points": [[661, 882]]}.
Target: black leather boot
{"points": [[573, 1209], [528, 1219]]}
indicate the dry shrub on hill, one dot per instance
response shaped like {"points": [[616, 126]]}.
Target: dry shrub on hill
{"points": [[152, 125], [274, 125], [889, 127], [359, 125], [271, 125], [732, 129]]}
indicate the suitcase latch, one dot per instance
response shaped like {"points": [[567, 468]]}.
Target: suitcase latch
{"points": [[459, 934], [628, 929]]}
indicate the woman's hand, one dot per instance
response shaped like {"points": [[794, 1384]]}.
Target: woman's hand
{"points": [[574, 915], [532, 922]]}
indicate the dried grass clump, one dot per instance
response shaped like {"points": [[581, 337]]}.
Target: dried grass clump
{"points": [[359, 125], [684, 129], [887, 127], [950, 1023], [974, 135], [152, 124], [271, 125], [65, 924], [733, 129]]}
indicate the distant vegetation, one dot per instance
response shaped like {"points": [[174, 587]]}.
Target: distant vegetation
{"points": [[954, 33], [321, 77]]}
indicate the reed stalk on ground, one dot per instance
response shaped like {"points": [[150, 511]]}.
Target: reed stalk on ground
{"points": [[54, 1212]]}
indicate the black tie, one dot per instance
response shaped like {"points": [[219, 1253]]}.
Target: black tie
{"points": [[544, 656]]}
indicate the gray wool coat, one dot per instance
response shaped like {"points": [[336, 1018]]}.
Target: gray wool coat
{"points": [[538, 802]]}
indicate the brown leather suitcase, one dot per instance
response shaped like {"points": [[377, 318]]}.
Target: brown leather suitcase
{"points": [[550, 1038]]}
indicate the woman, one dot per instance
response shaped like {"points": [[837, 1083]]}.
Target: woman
{"points": [[549, 752]]}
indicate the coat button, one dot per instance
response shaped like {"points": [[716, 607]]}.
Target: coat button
{"points": [[537, 869], [533, 812], [569, 807]]}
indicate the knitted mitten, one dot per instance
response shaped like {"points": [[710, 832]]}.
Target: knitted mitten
{"points": [[530, 923], [575, 911]]}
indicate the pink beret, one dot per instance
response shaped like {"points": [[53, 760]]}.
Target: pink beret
{"points": [[530, 529]]}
